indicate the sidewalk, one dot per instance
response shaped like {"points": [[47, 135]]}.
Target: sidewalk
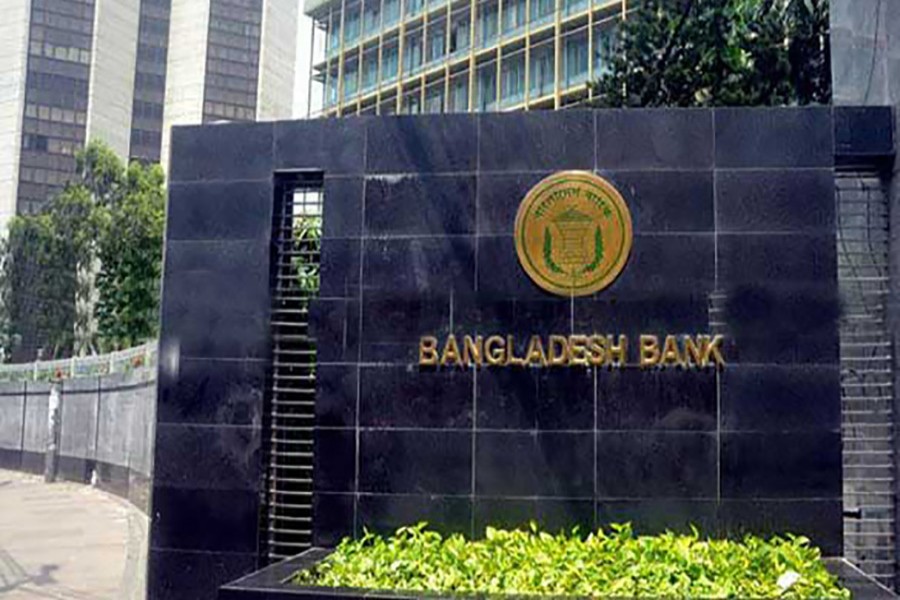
{"points": [[66, 541]]}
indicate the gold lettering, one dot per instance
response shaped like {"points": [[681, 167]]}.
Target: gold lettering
{"points": [[578, 350], [428, 355], [596, 351], [511, 358], [649, 350], [671, 355], [494, 350], [618, 353], [451, 352], [711, 349], [692, 354], [473, 350], [536, 354], [561, 357]]}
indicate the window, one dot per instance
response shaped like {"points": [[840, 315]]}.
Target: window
{"points": [[513, 16], [541, 11], [412, 53], [459, 94], [459, 35], [434, 99], [372, 17], [351, 80], [351, 25], [487, 24], [576, 59], [513, 80], [391, 12], [436, 41], [389, 63], [486, 97], [370, 70], [541, 71]]}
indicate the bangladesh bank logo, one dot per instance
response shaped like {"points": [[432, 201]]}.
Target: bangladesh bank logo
{"points": [[573, 233]]}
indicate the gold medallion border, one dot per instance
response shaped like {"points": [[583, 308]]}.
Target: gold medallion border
{"points": [[612, 194]]}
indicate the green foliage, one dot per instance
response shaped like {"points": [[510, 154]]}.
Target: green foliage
{"points": [[130, 253], [719, 53], [614, 563], [307, 245], [38, 285], [92, 254]]}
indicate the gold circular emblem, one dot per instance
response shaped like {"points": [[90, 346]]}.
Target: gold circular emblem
{"points": [[573, 233]]}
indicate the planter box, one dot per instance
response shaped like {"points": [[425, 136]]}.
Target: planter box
{"points": [[272, 583]]}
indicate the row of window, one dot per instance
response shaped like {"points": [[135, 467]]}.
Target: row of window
{"points": [[574, 69], [45, 176], [66, 53], [41, 17], [73, 8], [59, 130], [232, 54], [55, 114], [239, 28], [234, 69], [43, 143], [381, 16], [214, 111], [242, 14]]}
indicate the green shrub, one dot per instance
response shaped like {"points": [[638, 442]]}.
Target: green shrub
{"points": [[606, 563]]}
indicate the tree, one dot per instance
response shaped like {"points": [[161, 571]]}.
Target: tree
{"points": [[130, 253], [83, 274], [719, 53]]}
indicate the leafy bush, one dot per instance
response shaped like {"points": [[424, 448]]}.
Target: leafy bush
{"points": [[613, 563]]}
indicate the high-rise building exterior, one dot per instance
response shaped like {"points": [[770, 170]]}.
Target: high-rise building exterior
{"points": [[76, 70], [150, 80], [229, 60], [433, 56]]}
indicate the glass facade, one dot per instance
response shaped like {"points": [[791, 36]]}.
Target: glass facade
{"points": [[232, 60], [56, 98], [411, 56], [150, 80]]}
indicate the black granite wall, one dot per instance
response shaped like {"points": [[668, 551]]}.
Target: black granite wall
{"points": [[418, 240]]}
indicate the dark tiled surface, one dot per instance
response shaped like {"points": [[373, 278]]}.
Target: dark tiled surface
{"points": [[223, 520], [863, 131], [418, 241], [659, 464], [774, 137], [220, 210], [403, 397], [242, 151], [536, 142], [179, 575], [534, 464], [415, 462], [772, 200], [423, 205], [211, 458], [436, 144], [654, 139], [334, 145], [385, 513], [781, 465], [210, 391]]}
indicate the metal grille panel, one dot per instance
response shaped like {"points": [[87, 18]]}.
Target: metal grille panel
{"points": [[290, 406], [866, 374]]}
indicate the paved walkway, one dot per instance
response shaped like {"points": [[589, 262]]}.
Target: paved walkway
{"points": [[68, 542]]}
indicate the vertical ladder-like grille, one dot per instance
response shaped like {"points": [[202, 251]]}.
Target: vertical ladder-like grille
{"points": [[291, 400], [867, 387]]}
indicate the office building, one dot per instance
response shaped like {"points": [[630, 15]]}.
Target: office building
{"points": [[76, 70], [433, 56]]}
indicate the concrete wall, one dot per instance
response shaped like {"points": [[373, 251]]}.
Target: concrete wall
{"points": [[186, 68], [106, 432], [14, 50], [277, 62], [112, 73]]}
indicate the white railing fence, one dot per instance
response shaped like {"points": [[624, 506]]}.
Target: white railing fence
{"points": [[82, 366]]}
